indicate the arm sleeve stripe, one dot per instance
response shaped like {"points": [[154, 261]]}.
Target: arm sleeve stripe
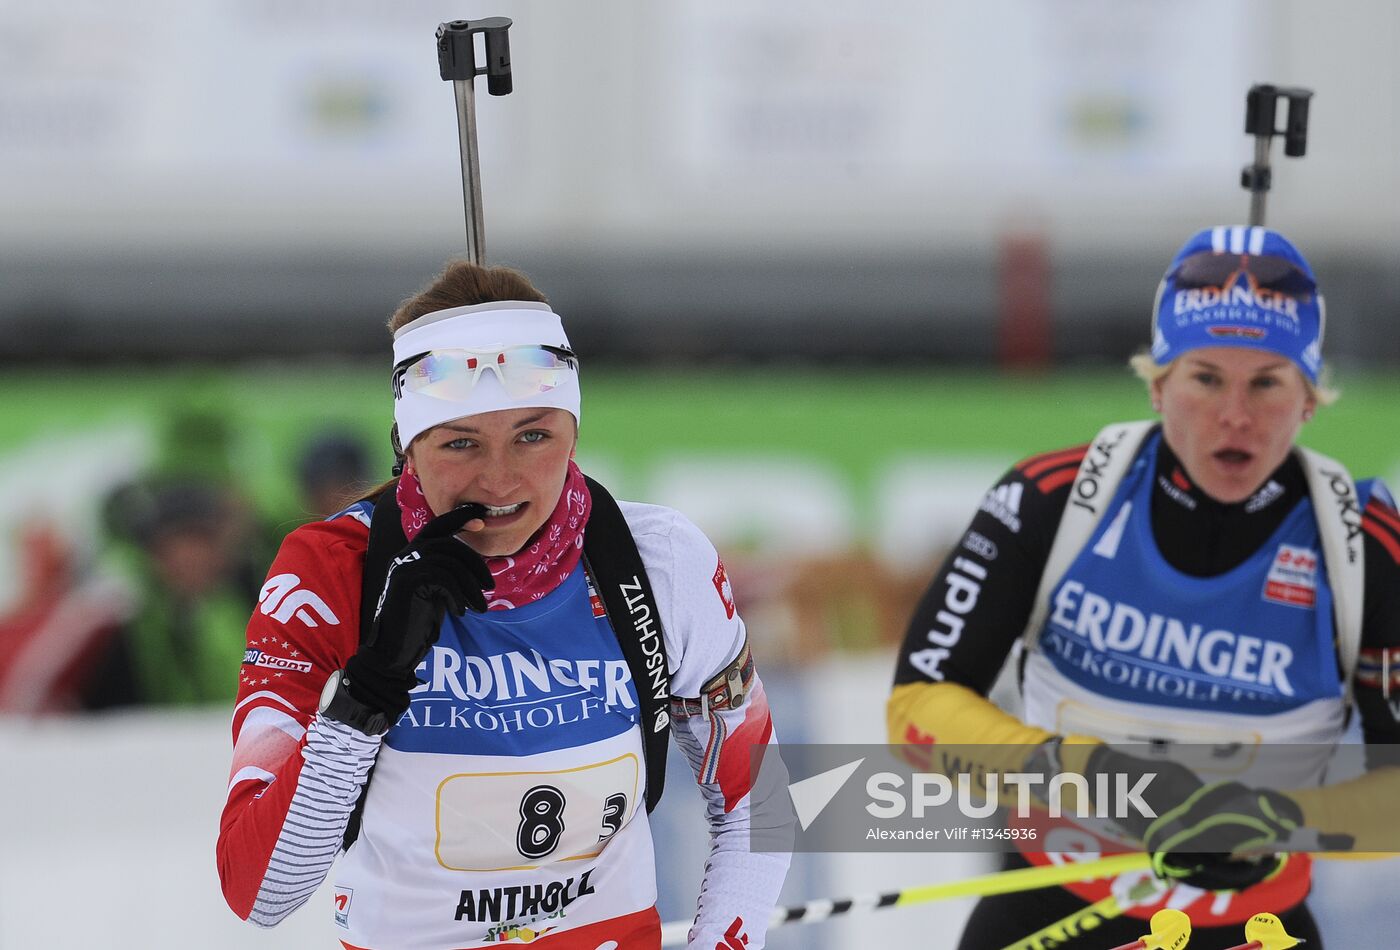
{"points": [[1063, 477], [1384, 514], [251, 773], [1386, 541], [263, 694], [1038, 464]]}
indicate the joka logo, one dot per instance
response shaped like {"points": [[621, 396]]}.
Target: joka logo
{"points": [[281, 600], [1348, 509], [1086, 485]]}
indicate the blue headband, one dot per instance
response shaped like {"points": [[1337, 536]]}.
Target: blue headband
{"points": [[1239, 286]]}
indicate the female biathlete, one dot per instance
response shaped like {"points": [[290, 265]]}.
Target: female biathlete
{"points": [[464, 682], [1199, 580]]}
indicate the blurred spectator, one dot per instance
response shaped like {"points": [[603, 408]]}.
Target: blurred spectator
{"points": [[56, 632], [195, 556], [333, 472]]}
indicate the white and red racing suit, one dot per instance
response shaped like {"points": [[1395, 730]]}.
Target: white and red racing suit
{"points": [[507, 804]]}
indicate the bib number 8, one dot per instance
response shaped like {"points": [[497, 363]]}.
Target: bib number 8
{"points": [[541, 821]]}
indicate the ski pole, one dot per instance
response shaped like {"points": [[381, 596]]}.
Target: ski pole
{"points": [[1260, 119], [1171, 929], [1265, 932], [456, 49], [1089, 917], [1001, 882]]}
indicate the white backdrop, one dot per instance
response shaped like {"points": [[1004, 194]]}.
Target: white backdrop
{"points": [[222, 124]]}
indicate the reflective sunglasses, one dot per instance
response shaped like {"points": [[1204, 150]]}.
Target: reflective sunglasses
{"points": [[452, 373], [1212, 269]]}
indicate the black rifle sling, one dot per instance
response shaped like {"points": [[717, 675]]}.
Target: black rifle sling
{"points": [[610, 554], [611, 557], [386, 539]]}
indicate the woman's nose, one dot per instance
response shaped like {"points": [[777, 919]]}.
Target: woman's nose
{"points": [[498, 477], [1234, 407]]}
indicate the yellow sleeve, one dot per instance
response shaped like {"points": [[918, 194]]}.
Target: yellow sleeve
{"points": [[1363, 807], [951, 714]]}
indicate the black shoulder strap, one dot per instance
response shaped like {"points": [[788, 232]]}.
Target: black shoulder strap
{"points": [[611, 557], [610, 554], [386, 538]]}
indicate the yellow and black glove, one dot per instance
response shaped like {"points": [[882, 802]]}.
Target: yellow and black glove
{"points": [[1226, 837]]}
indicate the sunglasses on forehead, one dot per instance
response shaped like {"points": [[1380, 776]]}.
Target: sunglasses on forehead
{"points": [[1214, 269], [452, 374]]}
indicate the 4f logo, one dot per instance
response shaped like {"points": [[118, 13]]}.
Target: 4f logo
{"points": [[734, 937], [281, 599]]}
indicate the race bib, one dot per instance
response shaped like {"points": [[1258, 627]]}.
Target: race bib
{"points": [[515, 821]]}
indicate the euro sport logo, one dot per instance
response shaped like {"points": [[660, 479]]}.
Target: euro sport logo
{"points": [[268, 661]]}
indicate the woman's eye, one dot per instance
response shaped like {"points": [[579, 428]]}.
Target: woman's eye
{"points": [[533, 436], [458, 444], [1206, 379], [1265, 382]]}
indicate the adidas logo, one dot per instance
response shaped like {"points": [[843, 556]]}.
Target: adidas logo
{"points": [[1004, 504]]}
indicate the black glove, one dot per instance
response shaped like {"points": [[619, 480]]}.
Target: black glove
{"points": [[1171, 784], [434, 573], [1195, 843]]}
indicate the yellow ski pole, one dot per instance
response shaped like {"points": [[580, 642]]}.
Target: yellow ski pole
{"points": [[1086, 918], [1001, 882]]}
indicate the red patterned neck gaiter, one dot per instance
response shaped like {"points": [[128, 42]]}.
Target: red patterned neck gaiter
{"points": [[541, 565]]}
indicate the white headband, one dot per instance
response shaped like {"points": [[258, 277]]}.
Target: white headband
{"points": [[478, 327]]}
